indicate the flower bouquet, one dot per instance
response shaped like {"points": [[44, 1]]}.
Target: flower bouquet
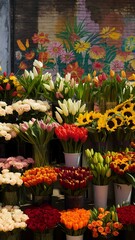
{"points": [[102, 176], [71, 137], [123, 167], [69, 110], [13, 220], [9, 87], [60, 88], [126, 215], [39, 182], [10, 183], [123, 171], [42, 220], [74, 183], [99, 166], [16, 164], [74, 221], [104, 223], [38, 133]]}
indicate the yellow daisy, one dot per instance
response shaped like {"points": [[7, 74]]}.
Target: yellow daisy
{"points": [[81, 46], [111, 125], [82, 119]]}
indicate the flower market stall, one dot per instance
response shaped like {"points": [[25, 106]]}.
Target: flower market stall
{"points": [[98, 125]]}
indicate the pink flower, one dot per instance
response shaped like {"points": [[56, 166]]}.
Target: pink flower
{"points": [[55, 49], [67, 57]]}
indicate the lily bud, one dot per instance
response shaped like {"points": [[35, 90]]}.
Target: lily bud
{"points": [[88, 153], [65, 110], [60, 89], [59, 110], [82, 108]]}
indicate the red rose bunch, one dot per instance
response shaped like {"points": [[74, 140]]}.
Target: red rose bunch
{"points": [[126, 215], [71, 136], [74, 181], [42, 218]]}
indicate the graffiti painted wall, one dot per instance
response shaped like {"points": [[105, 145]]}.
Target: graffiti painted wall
{"points": [[79, 36]]}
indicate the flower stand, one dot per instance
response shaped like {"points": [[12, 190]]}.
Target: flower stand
{"points": [[72, 159], [122, 193]]}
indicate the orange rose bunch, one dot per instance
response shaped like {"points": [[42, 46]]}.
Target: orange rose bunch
{"points": [[104, 223], [40, 180], [74, 221]]}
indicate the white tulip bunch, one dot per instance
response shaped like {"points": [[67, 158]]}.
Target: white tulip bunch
{"points": [[69, 110]]}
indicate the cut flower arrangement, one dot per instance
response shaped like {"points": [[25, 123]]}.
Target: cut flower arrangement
{"points": [[71, 137], [38, 133], [74, 181], [39, 181], [11, 219], [123, 167], [112, 130], [74, 221], [16, 164], [43, 218], [10, 181], [104, 223], [69, 110], [126, 215], [99, 166]]}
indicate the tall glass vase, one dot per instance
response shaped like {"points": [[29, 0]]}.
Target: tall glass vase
{"points": [[40, 155]]}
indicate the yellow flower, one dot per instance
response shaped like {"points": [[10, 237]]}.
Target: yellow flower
{"points": [[81, 46], [115, 35], [127, 112], [110, 112], [82, 119], [101, 123], [111, 125]]}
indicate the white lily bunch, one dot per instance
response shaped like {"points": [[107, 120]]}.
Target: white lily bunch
{"points": [[10, 178], [60, 88], [12, 218], [69, 110]]}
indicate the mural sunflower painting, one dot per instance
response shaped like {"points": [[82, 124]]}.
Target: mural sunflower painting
{"points": [[77, 51]]}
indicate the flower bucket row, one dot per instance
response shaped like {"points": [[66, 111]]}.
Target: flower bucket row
{"points": [[42, 222]]}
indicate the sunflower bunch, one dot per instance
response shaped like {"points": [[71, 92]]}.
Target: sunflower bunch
{"points": [[116, 125]]}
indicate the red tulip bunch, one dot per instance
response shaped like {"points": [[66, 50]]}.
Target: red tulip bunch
{"points": [[71, 136], [74, 181]]}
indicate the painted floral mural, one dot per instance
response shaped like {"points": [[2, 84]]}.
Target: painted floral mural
{"points": [[77, 51]]}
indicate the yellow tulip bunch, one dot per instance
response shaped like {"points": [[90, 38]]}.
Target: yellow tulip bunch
{"points": [[100, 167]]}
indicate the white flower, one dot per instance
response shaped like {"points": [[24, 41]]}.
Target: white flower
{"points": [[37, 64], [26, 74], [35, 72], [58, 117]]}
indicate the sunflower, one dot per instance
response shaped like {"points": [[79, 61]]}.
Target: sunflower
{"points": [[127, 112], [120, 120], [111, 112], [82, 119], [131, 122], [101, 123], [111, 125], [93, 116]]}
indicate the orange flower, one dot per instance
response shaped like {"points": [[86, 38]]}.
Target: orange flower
{"points": [[30, 55]]}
